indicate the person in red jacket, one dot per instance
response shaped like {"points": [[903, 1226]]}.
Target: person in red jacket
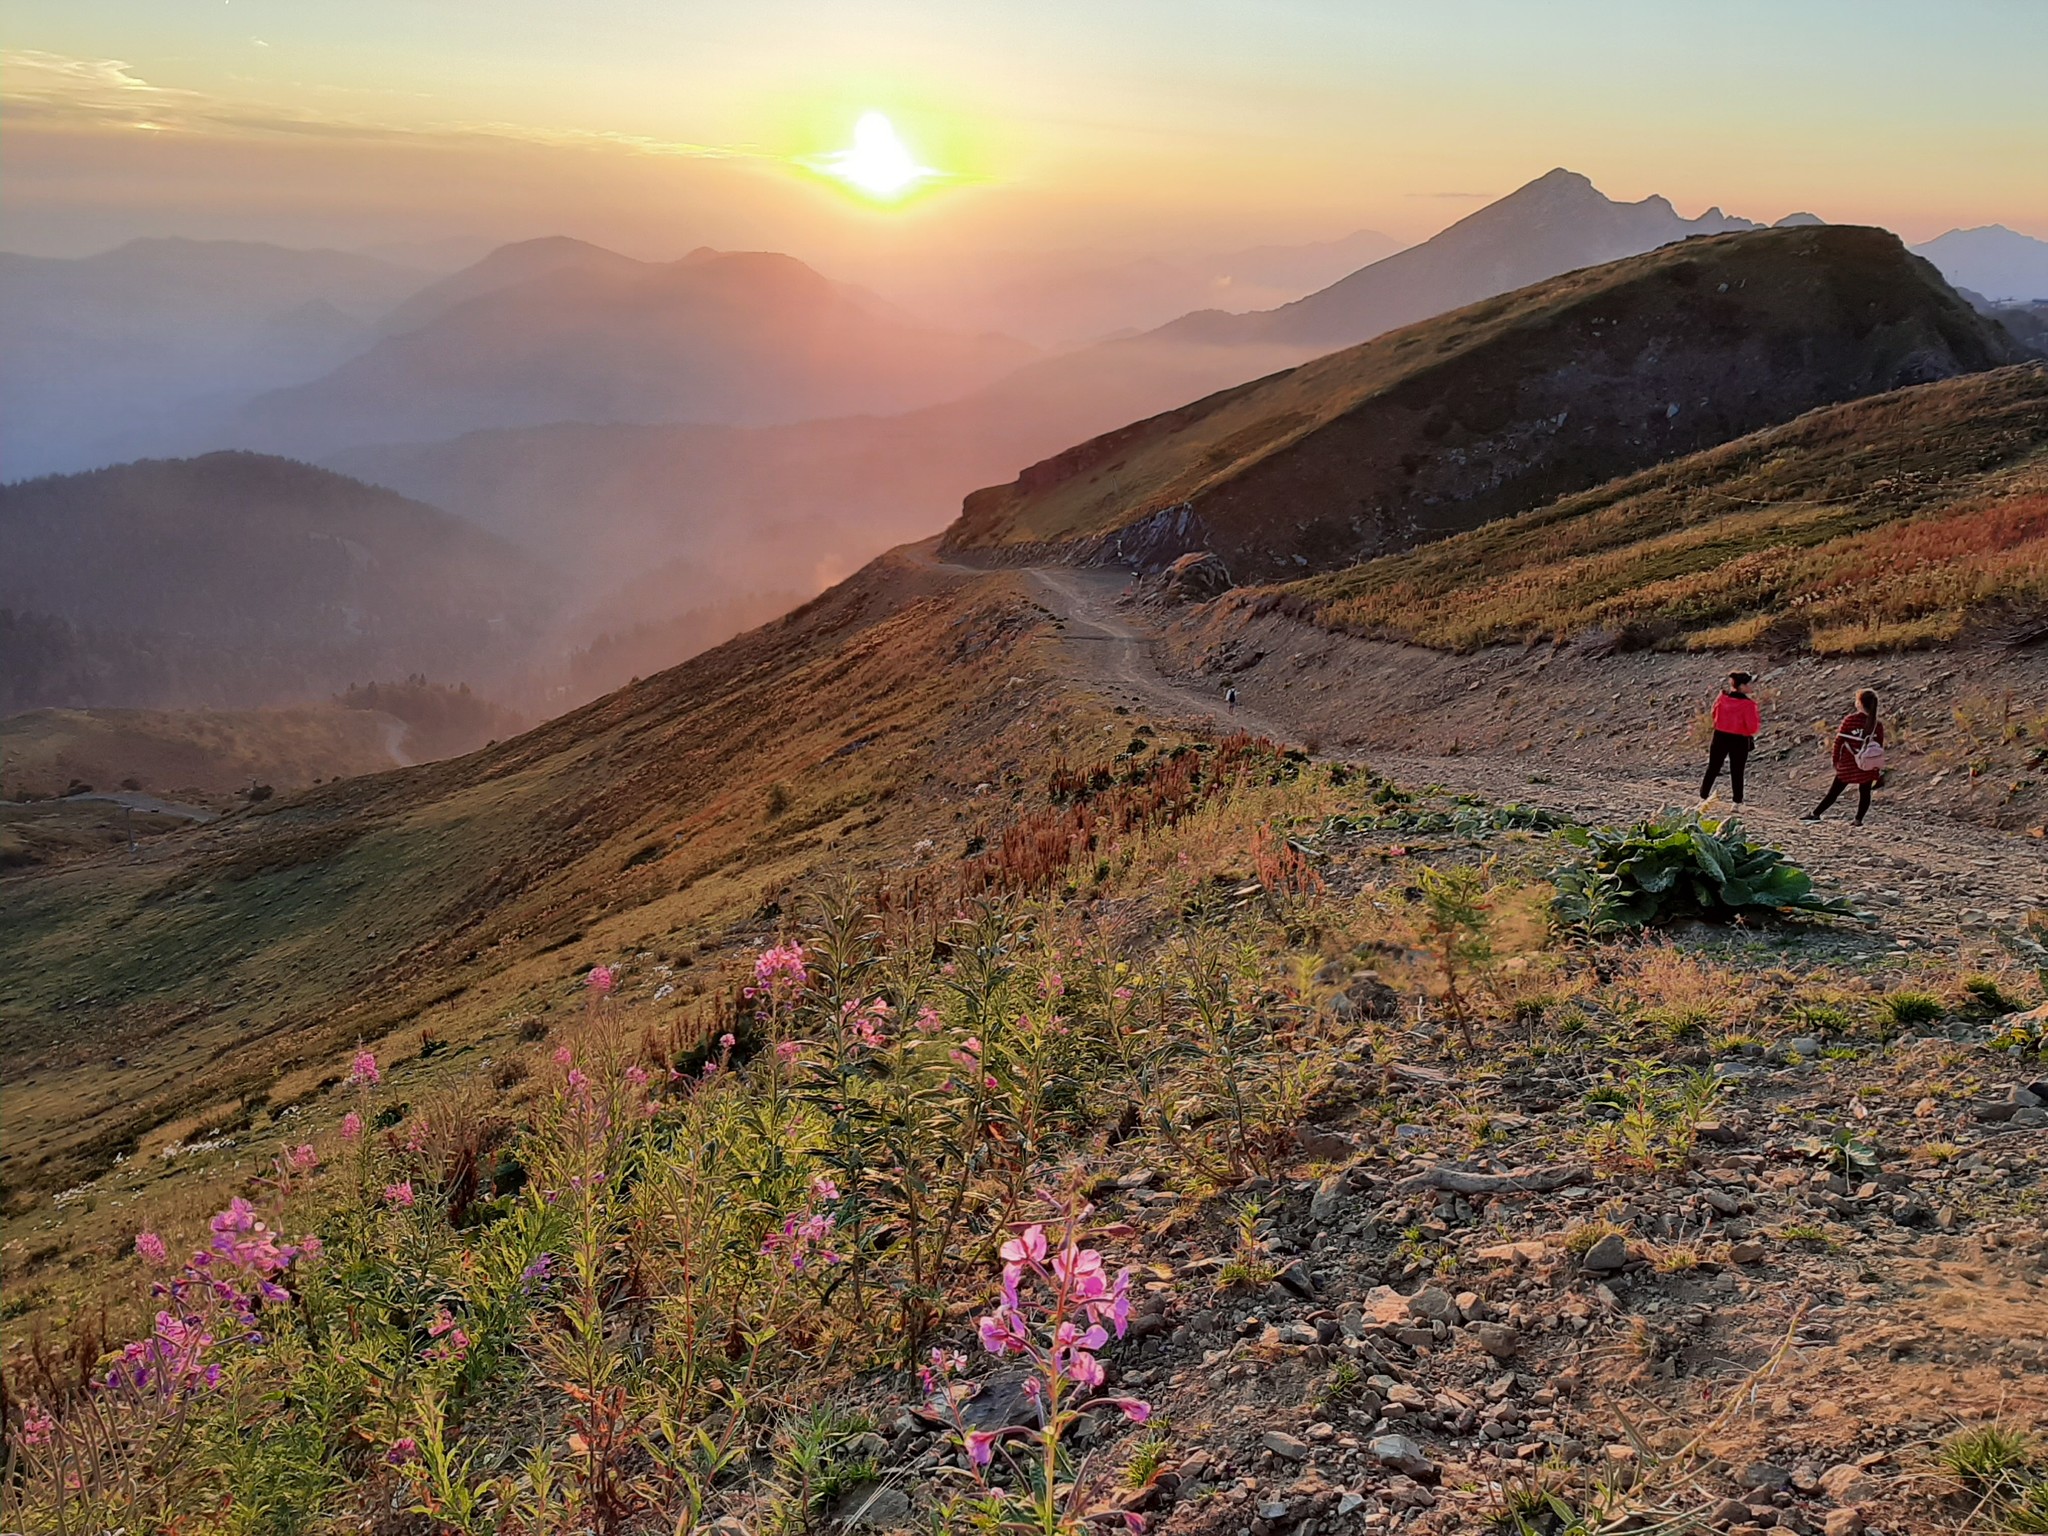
{"points": [[1858, 756], [1736, 722]]}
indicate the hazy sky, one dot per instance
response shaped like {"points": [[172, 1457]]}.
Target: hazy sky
{"points": [[657, 125]]}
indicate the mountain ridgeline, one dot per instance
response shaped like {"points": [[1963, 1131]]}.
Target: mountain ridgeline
{"points": [[1497, 407], [237, 579]]}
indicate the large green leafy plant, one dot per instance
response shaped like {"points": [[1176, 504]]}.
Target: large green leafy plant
{"points": [[1680, 865]]}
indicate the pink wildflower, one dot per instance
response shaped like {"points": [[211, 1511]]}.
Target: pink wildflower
{"points": [[823, 1188], [351, 1126], [727, 1042], [302, 1158], [399, 1193], [788, 1051], [151, 1248], [404, 1451], [363, 1070], [564, 1057], [779, 973], [928, 1021], [600, 979], [37, 1427], [637, 1075], [981, 1446]]}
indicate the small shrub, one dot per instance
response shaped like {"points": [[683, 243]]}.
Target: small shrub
{"points": [[1991, 1460], [1902, 1010], [1987, 994], [1684, 865]]}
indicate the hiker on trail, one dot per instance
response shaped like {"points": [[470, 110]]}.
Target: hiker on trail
{"points": [[1736, 722], [1858, 756], [1230, 699]]}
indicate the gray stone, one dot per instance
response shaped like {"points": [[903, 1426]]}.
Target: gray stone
{"points": [[1002, 1403], [1327, 1205], [2028, 1119], [1607, 1255], [1284, 1446], [1499, 1340], [1402, 1454], [1435, 1304], [1350, 1503], [1806, 1047], [1767, 1475], [873, 1507]]}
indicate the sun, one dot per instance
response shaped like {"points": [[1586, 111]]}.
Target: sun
{"points": [[878, 165]]}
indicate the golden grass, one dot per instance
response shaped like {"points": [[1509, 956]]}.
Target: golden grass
{"points": [[1881, 524]]}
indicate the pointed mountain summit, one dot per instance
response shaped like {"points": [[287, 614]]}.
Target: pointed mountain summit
{"points": [[1557, 223]]}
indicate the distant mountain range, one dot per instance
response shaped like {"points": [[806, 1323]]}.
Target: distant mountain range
{"points": [[1999, 263], [236, 579], [737, 339], [104, 353]]}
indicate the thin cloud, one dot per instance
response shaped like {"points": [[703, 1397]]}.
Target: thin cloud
{"points": [[1461, 196], [60, 92]]}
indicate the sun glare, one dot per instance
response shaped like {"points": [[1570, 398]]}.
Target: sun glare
{"points": [[879, 164]]}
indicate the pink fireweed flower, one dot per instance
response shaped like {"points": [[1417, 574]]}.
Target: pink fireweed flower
{"points": [[363, 1070], [803, 1238], [726, 1042], [564, 1057], [1135, 1409], [399, 1193], [37, 1426], [404, 1451], [637, 1075], [351, 1126], [788, 1051], [968, 1053], [302, 1158], [824, 1189], [600, 979], [151, 1248], [1054, 984], [928, 1021], [779, 973], [1123, 994], [454, 1343], [1027, 1249], [981, 1446]]}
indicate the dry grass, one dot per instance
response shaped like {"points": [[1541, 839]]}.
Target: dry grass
{"points": [[1885, 523]]}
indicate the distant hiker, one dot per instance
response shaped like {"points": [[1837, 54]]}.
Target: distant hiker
{"points": [[1736, 722], [1230, 699], [1858, 757]]}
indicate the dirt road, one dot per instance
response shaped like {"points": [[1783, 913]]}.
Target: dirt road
{"points": [[1930, 877]]}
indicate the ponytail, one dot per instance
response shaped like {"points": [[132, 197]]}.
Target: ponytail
{"points": [[1867, 702]]}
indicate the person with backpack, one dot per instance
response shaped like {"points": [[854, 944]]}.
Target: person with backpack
{"points": [[1736, 722], [1858, 757]]}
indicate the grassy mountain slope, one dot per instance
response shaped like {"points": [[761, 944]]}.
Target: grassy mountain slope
{"points": [[1899, 520], [230, 968], [1500, 406], [236, 579]]}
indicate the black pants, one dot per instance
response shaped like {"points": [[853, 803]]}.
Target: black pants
{"points": [[1729, 748], [1835, 793]]}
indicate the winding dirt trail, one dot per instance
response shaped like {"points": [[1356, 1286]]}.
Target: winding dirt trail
{"points": [[1930, 878]]}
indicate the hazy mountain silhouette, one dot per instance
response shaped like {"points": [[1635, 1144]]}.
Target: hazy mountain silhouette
{"points": [[1064, 302], [237, 579], [1557, 223], [741, 338], [103, 351], [1997, 262]]}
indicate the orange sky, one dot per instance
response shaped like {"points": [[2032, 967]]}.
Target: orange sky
{"points": [[654, 126]]}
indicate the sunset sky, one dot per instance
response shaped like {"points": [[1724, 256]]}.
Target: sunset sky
{"points": [[654, 126]]}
